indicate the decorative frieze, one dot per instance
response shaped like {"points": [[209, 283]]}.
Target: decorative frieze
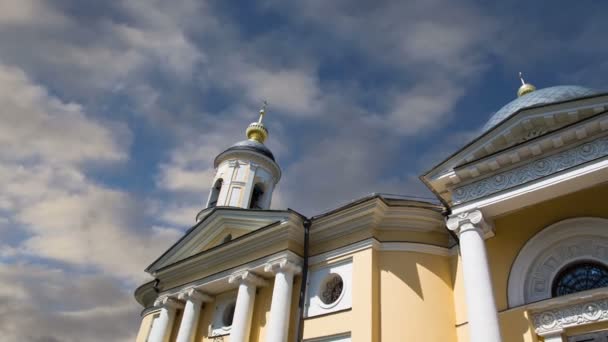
{"points": [[558, 319], [537, 169]]}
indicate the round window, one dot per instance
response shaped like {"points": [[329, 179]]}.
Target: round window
{"points": [[331, 289], [228, 314]]}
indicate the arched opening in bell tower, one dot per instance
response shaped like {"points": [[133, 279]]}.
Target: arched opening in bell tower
{"points": [[215, 193], [257, 196]]}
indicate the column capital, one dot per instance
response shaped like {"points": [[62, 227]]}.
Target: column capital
{"points": [[194, 295], [246, 277], [168, 302], [283, 264], [470, 220]]}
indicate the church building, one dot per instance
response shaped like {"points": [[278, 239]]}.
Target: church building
{"points": [[515, 249]]}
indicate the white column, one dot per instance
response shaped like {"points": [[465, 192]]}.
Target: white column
{"points": [[278, 326], [161, 329], [194, 302], [243, 311], [481, 307]]}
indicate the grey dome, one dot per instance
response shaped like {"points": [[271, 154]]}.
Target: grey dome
{"points": [[249, 145], [538, 97]]}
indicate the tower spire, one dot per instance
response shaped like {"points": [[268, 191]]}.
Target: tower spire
{"points": [[525, 87], [256, 130]]}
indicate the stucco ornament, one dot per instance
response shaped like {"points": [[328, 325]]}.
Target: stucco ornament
{"points": [[557, 319], [532, 171]]}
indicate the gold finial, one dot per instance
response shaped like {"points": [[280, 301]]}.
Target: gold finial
{"points": [[525, 87], [256, 130]]}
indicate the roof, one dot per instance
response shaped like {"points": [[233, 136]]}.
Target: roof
{"points": [[538, 97], [249, 145]]}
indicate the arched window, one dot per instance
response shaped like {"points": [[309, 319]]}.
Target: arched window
{"points": [[581, 276], [256, 197], [215, 193]]}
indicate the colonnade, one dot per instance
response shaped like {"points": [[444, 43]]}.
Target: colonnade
{"points": [[192, 301]]}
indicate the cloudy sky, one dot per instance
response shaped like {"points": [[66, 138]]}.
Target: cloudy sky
{"points": [[111, 113]]}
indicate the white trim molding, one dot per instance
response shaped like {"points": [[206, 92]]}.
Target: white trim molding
{"points": [[379, 246], [549, 251], [552, 317]]}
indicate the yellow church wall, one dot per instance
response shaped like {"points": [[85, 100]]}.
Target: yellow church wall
{"points": [[512, 232], [331, 324], [366, 306], [318, 247], [515, 229], [362, 320], [261, 312], [437, 238], [176, 322], [416, 297], [460, 313], [462, 333], [515, 326], [295, 300], [206, 317], [145, 326]]}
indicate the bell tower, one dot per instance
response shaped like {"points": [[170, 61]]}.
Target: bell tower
{"points": [[246, 173]]}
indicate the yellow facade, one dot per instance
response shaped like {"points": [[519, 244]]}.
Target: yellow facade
{"points": [[412, 296], [387, 268]]}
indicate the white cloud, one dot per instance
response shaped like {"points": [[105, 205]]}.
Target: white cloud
{"points": [[67, 217], [420, 109], [37, 125], [28, 12], [294, 92], [48, 304]]}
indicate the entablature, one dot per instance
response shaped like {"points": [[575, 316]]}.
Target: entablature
{"points": [[377, 214], [525, 140]]}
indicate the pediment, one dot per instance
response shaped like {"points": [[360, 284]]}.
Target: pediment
{"points": [[527, 135], [211, 231]]}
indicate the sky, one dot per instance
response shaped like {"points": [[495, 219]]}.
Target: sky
{"points": [[111, 113]]}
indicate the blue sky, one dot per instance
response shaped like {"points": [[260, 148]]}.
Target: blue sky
{"points": [[112, 112]]}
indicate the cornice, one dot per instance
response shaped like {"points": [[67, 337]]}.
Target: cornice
{"points": [[206, 230], [540, 168], [145, 294], [388, 246], [235, 249], [376, 214]]}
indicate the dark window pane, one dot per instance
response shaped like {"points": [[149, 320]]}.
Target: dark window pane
{"points": [[580, 277]]}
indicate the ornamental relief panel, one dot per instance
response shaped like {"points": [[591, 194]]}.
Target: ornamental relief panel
{"points": [[570, 316], [539, 279], [535, 170]]}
